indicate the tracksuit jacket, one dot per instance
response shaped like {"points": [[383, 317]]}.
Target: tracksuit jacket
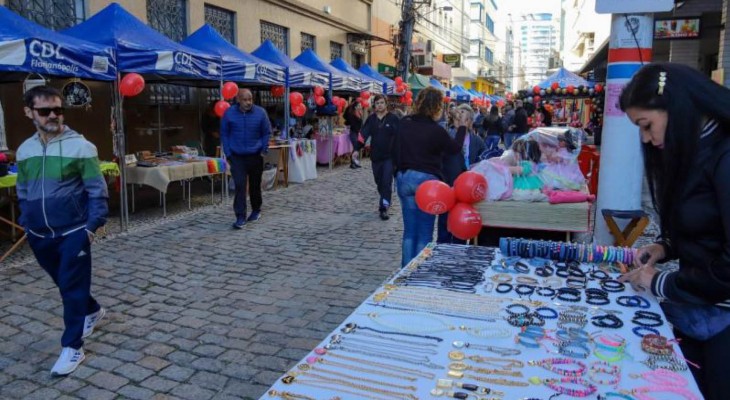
{"points": [[60, 186]]}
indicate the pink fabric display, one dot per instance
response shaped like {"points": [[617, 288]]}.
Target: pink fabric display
{"points": [[559, 196]]}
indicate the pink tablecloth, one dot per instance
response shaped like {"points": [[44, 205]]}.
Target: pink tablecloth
{"points": [[341, 146]]}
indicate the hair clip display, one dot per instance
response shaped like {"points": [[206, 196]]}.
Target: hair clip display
{"points": [[662, 83]]}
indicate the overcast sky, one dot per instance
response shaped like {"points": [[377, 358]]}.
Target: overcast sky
{"points": [[517, 7]]}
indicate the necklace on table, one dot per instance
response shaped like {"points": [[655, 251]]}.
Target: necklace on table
{"points": [[411, 371], [392, 339], [496, 381], [314, 359], [457, 368], [502, 351], [337, 339], [367, 388], [305, 368], [320, 384]]}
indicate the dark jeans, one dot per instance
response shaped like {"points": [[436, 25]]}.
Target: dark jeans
{"points": [[417, 225], [444, 236], [712, 356], [68, 261], [383, 174], [509, 138], [245, 168]]}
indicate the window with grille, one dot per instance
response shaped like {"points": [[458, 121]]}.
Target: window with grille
{"points": [[279, 35], [168, 17], [53, 14], [335, 50], [224, 21], [308, 42], [357, 60]]}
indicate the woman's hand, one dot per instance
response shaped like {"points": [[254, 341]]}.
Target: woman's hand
{"points": [[640, 279], [648, 255]]}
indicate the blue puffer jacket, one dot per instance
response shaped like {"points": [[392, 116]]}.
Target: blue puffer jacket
{"points": [[245, 133]]}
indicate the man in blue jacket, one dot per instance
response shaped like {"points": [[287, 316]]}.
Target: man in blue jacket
{"points": [[245, 131]]}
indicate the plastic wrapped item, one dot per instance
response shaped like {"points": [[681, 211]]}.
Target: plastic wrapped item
{"points": [[498, 176], [559, 149]]}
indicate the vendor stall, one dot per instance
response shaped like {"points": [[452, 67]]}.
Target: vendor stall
{"points": [[331, 147], [388, 84], [302, 160], [481, 323]]}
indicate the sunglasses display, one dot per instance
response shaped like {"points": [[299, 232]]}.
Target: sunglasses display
{"points": [[46, 111]]}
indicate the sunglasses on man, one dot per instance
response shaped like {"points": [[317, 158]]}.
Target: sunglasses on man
{"points": [[46, 111]]}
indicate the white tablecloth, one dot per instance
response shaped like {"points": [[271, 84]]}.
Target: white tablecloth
{"points": [[451, 331], [302, 160]]}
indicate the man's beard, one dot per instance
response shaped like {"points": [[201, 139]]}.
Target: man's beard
{"points": [[50, 127]]}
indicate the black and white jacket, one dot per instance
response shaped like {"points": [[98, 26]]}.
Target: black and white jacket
{"points": [[702, 242]]}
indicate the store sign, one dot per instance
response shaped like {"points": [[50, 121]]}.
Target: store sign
{"points": [[418, 49], [626, 32], [633, 6], [453, 59], [358, 48], [386, 70], [677, 28]]}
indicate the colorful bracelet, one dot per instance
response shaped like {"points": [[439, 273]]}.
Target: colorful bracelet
{"points": [[554, 384], [640, 393], [551, 364], [662, 377], [602, 367]]}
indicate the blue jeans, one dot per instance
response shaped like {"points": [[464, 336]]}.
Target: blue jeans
{"points": [[417, 225]]}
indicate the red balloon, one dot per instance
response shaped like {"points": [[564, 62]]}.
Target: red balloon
{"points": [[131, 85], [319, 100], [536, 89], [398, 80], [570, 88], [400, 88], [536, 99], [318, 91], [295, 98], [277, 91], [435, 197], [299, 110], [599, 88], [500, 103], [464, 221], [447, 99], [555, 85], [220, 107], [229, 90], [470, 187], [409, 102], [365, 95], [409, 95]]}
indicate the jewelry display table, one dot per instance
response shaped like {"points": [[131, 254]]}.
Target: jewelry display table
{"points": [[467, 322], [541, 216]]}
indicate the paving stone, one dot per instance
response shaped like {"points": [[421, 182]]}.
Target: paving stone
{"points": [[135, 392], [157, 384], [153, 363], [134, 372], [208, 380], [43, 394], [94, 393], [108, 381], [17, 389], [177, 373], [192, 392]]}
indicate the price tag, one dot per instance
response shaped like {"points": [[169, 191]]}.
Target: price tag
{"points": [[130, 159]]}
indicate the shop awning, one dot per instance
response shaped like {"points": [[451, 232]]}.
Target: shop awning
{"points": [[564, 78], [299, 74], [388, 84], [418, 82], [367, 82], [339, 80], [435, 83]]}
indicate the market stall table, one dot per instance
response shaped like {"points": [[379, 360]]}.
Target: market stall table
{"points": [[302, 160], [446, 326], [282, 164], [159, 177], [341, 146]]}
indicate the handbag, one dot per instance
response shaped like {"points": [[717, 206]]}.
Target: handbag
{"points": [[698, 321]]}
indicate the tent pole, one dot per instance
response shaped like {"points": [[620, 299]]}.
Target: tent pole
{"points": [[287, 114], [159, 127], [120, 142], [331, 127]]}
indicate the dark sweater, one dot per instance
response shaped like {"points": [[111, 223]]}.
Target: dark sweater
{"points": [[520, 121], [382, 133], [245, 133], [421, 141], [702, 237]]}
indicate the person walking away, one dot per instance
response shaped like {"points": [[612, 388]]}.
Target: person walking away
{"points": [[492, 128], [420, 143], [245, 132], [63, 201], [684, 125], [452, 165], [519, 125], [353, 119], [381, 127]]}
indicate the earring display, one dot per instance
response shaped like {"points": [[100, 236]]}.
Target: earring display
{"points": [[531, 320]]}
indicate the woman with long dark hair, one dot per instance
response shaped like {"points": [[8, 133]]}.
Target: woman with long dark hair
{"points": [[353, 119], [684, 121], [420, 143]]}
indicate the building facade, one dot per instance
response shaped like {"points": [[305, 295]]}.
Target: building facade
{"points": [[441, 30], [582, 32], [385, 25], [538, 38], [486, 58]]}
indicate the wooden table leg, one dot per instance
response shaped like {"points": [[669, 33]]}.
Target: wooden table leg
{"points": [[13, 249]]}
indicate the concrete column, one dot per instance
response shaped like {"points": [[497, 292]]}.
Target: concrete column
{"points": [[621, 171]]}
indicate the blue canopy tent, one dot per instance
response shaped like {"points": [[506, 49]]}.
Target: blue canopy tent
{"points": [[367, 83], [238, 66], [388, 84], [299, 75], [460, 94], [477, 94], [339, 80], [141, 49], [26, 47], [564, 78], [435, 83]]}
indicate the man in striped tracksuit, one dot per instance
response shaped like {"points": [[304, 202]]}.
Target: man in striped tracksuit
{"points": [[63, 201]]}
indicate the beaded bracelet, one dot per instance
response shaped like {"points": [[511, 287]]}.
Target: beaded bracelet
{"points": [[569, 294], [565, 348], [598, 300], [554, 385], [527, 280], [551, 364], [524, 290], [612, 285], [633, 301], [552, 314], [562, 272], [619, 355], [640, 393], [546, 291], [544, 271], [503, 288], [572, 334], [666, 362], [614, 321], [602, 367], [598, 274], [656, 344], [522, 267], [638, 330], [501, 278], [609, 395], [527, 340], [576, 283], [524, 310], [662, 377]]}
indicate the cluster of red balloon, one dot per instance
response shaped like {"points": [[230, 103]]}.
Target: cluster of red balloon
{"points": [[364, 99], [401, 88], [340, 103], [131, 85], [296, 101], [277, 91], [464, 221], [228, 92], [319, 96]]}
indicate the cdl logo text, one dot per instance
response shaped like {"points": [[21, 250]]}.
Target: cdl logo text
{"points": [[44, 49]]}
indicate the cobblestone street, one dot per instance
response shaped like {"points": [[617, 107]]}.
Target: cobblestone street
{"points": [[200, 311]]}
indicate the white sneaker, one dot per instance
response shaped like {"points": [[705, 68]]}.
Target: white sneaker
{"points": [[90, 322], [67, 362]]}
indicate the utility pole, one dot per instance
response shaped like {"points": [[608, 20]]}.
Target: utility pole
{"points": [[407, 21]]}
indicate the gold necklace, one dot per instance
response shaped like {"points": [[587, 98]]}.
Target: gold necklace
{"points": [[305, 368], [406, 370], [505, 363], [339, 389], [496, 381], [366, 370], [291, 378], [457, 368], [289, 395]]}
